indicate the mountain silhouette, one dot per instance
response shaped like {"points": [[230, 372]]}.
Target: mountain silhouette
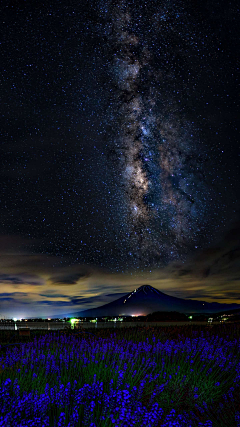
{"points": [[145, 300]]}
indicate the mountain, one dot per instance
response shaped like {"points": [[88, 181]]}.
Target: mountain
{"points": [[145, 300]]}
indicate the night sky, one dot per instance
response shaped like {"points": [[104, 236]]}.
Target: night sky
{"points": [[119, 152]]}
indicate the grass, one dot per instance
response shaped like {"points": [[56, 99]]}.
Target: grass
{"points": [[169, 376]]}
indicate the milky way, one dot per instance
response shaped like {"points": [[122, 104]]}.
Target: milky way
{"points": [[159, 157], [119, 129]]}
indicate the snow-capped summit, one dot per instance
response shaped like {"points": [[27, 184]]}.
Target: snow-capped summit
{"points": [[146, 289]]}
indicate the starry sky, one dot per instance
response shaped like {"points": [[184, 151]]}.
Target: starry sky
{"points": [[119, 152]]}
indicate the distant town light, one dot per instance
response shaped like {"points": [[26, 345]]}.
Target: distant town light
{"points": [[14, 319], [49, 318]]}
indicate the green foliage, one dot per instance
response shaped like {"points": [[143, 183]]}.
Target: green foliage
{"points": [[182, 371]]}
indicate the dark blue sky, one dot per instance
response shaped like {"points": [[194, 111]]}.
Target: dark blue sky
{"points": [[120, 147]]}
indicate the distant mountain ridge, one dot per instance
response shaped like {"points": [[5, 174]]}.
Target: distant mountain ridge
{"points": [[147, 299]]}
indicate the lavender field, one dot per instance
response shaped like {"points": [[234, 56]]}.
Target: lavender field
{"points": [[169, 376]]}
